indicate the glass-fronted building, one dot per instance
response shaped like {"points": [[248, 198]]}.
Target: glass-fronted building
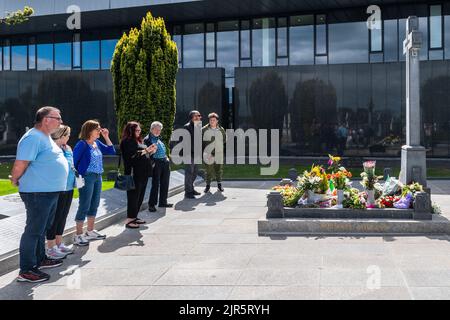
{"points": [[312, 69]]}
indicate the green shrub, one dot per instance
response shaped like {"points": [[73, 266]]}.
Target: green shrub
{"points": [[144, 68]]}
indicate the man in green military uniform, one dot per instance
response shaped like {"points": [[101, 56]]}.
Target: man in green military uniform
{"points": [[213, 151]]}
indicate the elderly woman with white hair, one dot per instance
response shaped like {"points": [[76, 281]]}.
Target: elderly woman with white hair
{"points": [[161, 171]]}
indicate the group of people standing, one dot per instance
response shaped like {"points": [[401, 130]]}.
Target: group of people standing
{"points": [[47, 171]]}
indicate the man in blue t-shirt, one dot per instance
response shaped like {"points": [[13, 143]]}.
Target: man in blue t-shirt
{"points": [[40, 171]]}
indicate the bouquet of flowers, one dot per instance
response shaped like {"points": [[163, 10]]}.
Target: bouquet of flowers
{"points": [[354, 199], [387, 201], [369, 179], [315, 180], [334, 163], [290, 194], [340, 178], [412, 188]]}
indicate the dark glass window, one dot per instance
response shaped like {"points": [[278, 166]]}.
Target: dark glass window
{"points": [[63, 56], [228, 46], [90, 55], [178, 38], [19, 53], [32, 53], [390, 40], [107, 49], [321, 34], [210, 42], [263, 42], [301, 40], [401, 37], [423, 27], [447, 37], [435, 26], [45, 56], [348, 42], [193, 46], [6, 55], [376, 39], [76, 51], [282, 42], [245, 39], [1, 57]]}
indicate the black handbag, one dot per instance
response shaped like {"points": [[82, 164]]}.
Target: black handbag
{"points": [[124, 182]]}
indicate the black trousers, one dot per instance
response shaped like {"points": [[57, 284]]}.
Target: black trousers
{"points": [[160, 182], [62, 211], [136, 197], [190, 174]]}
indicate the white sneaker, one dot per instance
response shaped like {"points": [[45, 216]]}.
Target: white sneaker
{"points": [[80, 240], [55, 254], [94, 235], [65, 249]]}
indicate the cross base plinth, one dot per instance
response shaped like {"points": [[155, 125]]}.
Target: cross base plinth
{"points": [[414, 165]]}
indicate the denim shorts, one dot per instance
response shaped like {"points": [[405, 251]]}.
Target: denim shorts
{"points": [[89, 196]]}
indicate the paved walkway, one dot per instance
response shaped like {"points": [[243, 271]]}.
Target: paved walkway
{"points": [[209, 249]]}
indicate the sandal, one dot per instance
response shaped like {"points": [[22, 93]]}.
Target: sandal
{"points": [[139, 221], [129, 225]]}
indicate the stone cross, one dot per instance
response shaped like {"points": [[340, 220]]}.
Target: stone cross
{"points": [[413, 162]]}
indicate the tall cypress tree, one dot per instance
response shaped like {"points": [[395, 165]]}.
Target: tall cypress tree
{"points": [[144, 68]]}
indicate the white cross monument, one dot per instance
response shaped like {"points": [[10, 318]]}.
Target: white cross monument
{"points": [[413, 162]]}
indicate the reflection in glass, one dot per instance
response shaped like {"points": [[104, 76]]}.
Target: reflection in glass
{"points": [[435, 26], [63, 56], [263, 42], [245, 39], [282, 45], [76, 51], [210, 42], [6, 55], [45, 56], [423, 27], [228, 46], [447, 37], [390, 40], [301, 40], [435, 55], [91, 55], [401, 37], [32, 53], [376, 40], [1, 58], [177, 37], [321, 34], [348, 42], [107, 50], [19, 58], [193, 46]]}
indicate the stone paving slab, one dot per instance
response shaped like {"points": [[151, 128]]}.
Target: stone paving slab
{"points": [[211, 252]]}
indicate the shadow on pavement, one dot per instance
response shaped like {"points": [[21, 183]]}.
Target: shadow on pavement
{"points": [[127, 238], [210, 199], [25, 291]]}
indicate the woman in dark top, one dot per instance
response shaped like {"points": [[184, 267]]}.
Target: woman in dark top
{"points": [[136, 158]]}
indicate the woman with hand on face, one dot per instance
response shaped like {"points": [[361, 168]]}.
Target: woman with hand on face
{"points": [[137, 162], [88, 158]]}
